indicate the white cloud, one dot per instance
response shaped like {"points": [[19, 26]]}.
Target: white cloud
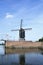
{"points": [[8, 15]]}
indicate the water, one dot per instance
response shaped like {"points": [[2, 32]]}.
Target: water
{"points": [[30, 58], [2, 50]]}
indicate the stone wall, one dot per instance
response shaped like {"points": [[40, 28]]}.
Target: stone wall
{"points": [[23, 44]]}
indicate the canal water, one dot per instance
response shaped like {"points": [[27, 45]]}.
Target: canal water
{"points": [[30, 58]]}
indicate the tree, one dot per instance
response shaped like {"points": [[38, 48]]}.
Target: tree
{"points": [[41, 39]]}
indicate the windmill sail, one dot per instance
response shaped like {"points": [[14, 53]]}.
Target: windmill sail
{"points": [[15, 30], [22, 31], [21, 24], [28, 29]]}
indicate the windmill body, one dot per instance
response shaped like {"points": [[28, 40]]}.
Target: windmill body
{"points": [[21, 31], [21, 34]]}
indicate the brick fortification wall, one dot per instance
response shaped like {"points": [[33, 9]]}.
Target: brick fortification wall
{"points": [[23, 44]]}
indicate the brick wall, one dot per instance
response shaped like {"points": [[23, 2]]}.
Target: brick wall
{"points": [[22, 44]]}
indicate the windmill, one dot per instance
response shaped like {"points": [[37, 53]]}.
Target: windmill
{"points": [[21, 31]]}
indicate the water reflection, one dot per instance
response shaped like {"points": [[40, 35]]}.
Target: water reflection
{"points": [[8, 50], [27, 58], [42, 53], [22, 59]]}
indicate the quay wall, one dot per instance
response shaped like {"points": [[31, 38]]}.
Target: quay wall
{"points": [[23, 44]]}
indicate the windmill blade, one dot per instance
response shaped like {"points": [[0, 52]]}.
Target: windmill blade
{"points": [[21, 23], [28, 29], [15, 30]]}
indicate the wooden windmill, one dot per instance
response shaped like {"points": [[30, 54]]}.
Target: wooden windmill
{"points": [[21, 31]]}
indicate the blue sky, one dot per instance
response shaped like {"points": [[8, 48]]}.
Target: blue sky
{"points": [[11, 13]]}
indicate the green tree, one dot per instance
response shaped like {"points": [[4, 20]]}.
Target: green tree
{"points": [[41, 39]]}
